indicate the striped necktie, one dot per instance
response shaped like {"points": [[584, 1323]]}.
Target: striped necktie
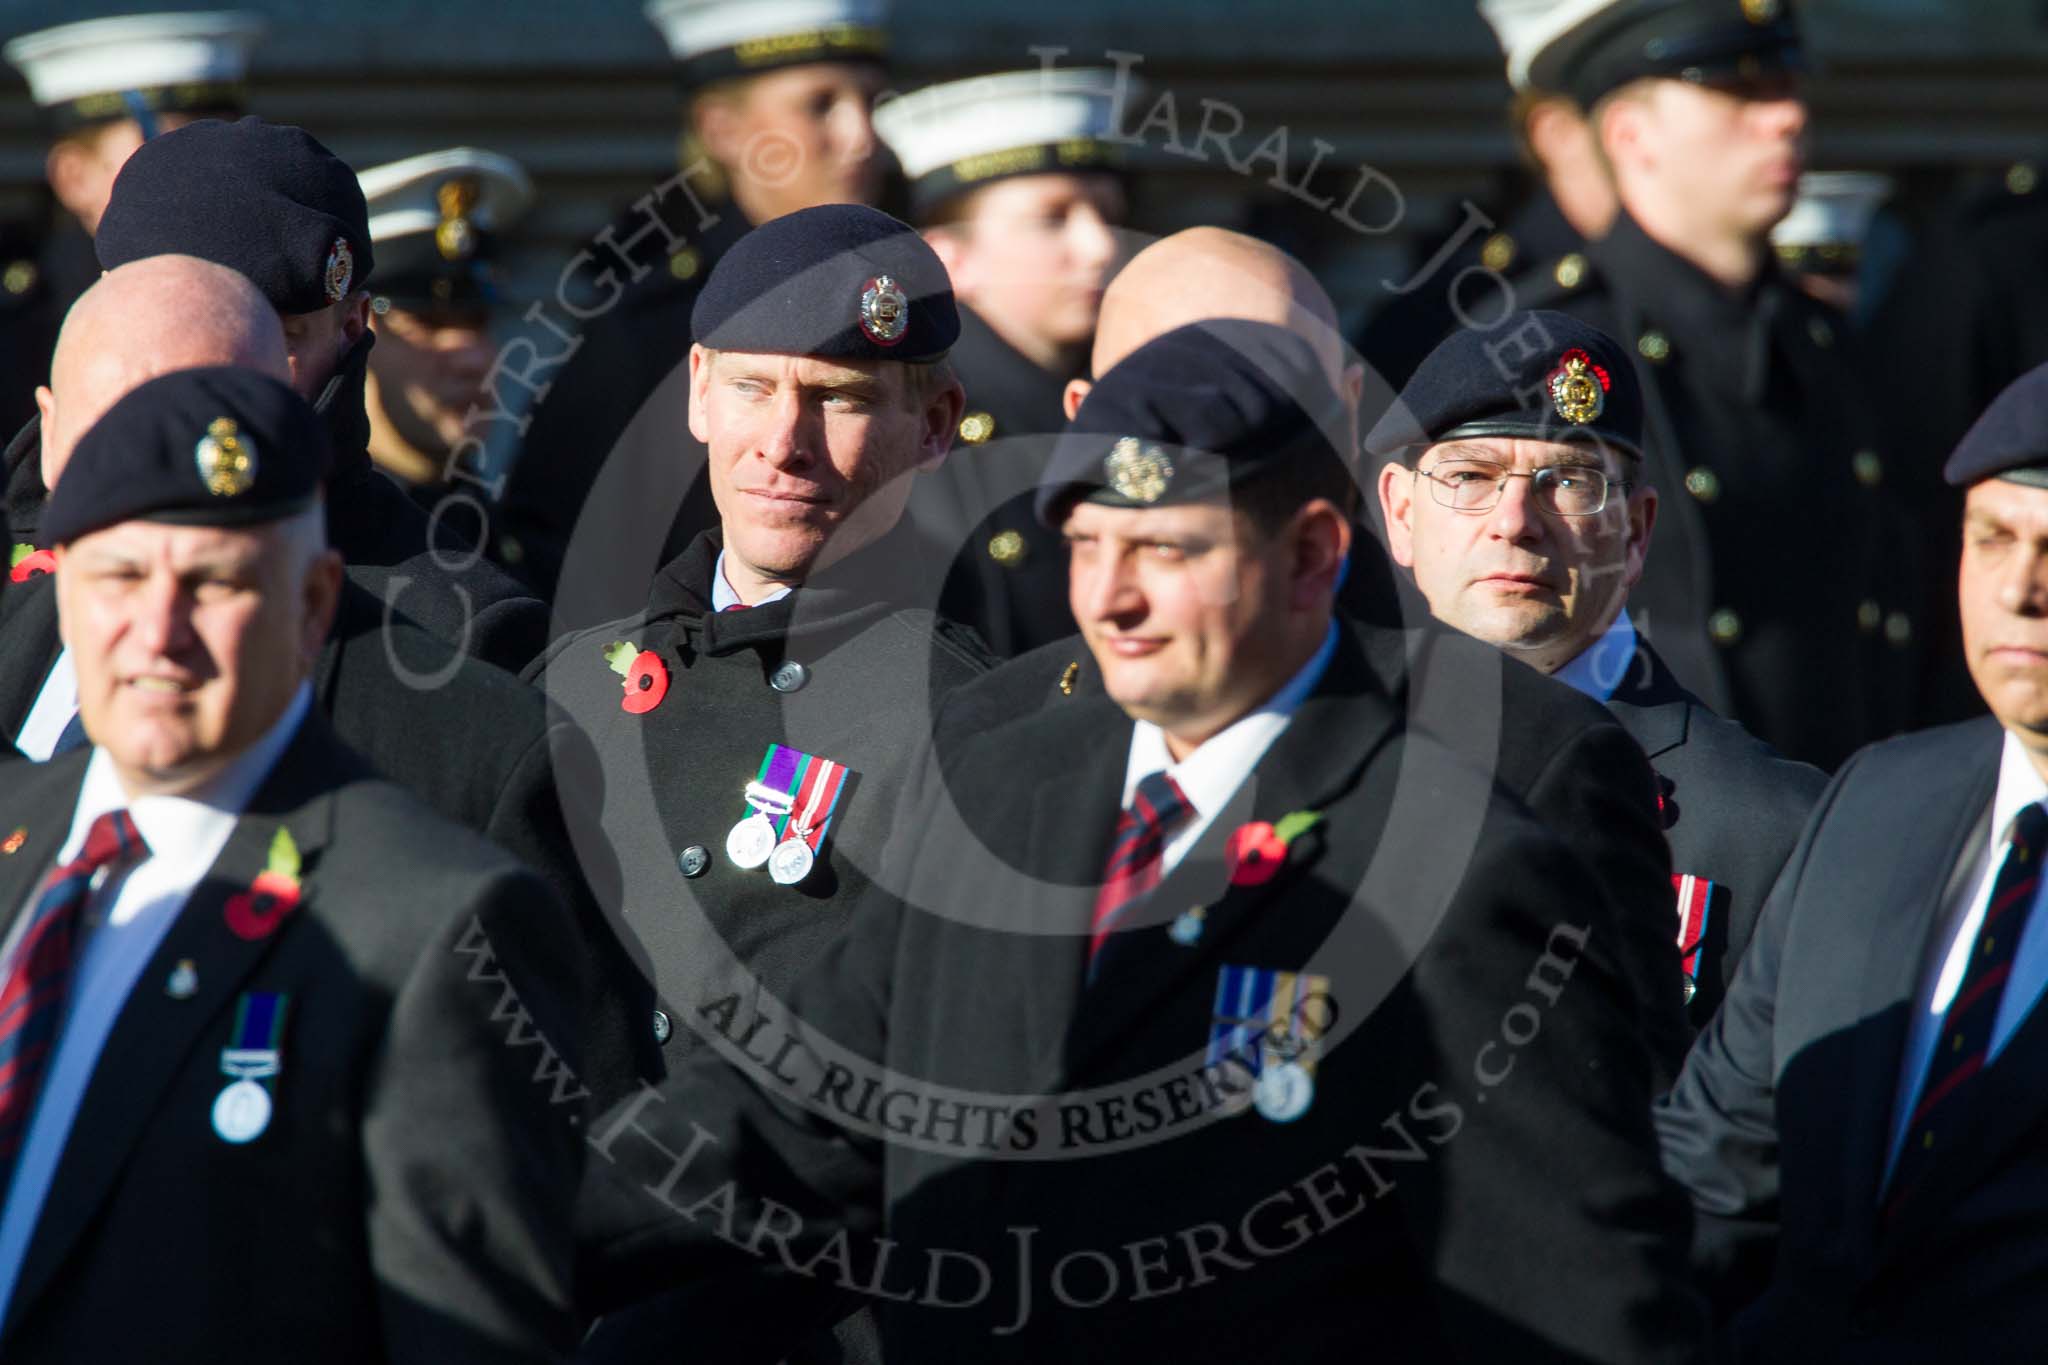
{"points": [[1157, 809], [1963, 1047], [39, 974]]}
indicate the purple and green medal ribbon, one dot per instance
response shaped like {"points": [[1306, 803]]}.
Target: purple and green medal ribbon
{"points": [[784, 769], [259, 1027]]}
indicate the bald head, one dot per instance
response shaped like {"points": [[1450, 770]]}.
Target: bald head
{"points": [[147, 318], [1204, 273]]}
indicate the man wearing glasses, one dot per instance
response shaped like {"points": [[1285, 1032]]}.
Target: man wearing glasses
{"points": [[1514, 495]]}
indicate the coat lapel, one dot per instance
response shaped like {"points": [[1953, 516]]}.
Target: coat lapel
{"points": [[30, 644], [154, 1037], [41, 799], [1899, 919], [1316, 760], [1650, 704]]}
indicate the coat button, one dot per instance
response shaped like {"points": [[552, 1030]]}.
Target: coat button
{"points": [[1869, 470], [1869, 616], [1655, 347], [1006, 548], [19, 277], [1498, 253], [693, 860], [1571, 271], [1725, 627], [662, 1027], [977, 427], [789, 676], [685, 263], [1823, 335], [1898, 629], [1703, 483]]}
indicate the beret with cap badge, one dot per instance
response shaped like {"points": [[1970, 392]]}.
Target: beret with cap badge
{"points": [[262, 198], [215, 446]]}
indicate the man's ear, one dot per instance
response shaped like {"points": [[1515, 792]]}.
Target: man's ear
{"points": [[941, 423], [355, 319], [1397, 509], [1642, 520], [46, 412], [700, 386], [324, 578], [1076, 392], [1322, 544]]}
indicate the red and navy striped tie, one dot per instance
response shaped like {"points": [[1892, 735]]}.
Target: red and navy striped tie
{"points": [[1157, 809], [39, 974], [1963, 1048]]}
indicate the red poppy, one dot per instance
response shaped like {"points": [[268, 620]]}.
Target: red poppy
{"points": [[33, 564], [257, 912], [1256, 853], [646, 683]]}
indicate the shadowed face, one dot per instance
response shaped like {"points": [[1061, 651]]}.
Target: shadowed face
{"points": [[2003, 592], [1536, 582], [189, 641]]}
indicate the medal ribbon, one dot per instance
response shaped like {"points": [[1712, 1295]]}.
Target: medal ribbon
{"points": [[781, 770], [813, 787], [822, 782], [253, 1052], [1695, 898], [1254, 1005]]}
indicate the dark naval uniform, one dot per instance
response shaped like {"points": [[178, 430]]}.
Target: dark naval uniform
{"points": [[638, 348], [1782, 583], [1009, 574], [1732, 811], [1397, 337]]}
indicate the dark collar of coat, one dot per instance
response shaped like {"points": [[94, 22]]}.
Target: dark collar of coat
{"points": [[343, 406], [1650, 704], [25, 492], [1002, 380], [874, 582]]}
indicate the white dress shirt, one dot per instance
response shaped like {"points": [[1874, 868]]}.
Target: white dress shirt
{"points": [[723, 596], [1212, 773], [55, 705], [1599, 668], [126, 920], [1942, 975]]}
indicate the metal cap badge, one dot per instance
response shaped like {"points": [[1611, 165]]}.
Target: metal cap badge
{"points": [[226, 459], [1139, 472], [1578, 388], [884, 311], [341, 270]]}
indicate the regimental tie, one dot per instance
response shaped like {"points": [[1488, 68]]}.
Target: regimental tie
{"points": [[1157, 809], [39, 974], [1962, 1049]]}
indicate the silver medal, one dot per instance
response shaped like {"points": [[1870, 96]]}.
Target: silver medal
{"points": [[751, 842], [1284, 1092], [241, 1112], [791, 862]]}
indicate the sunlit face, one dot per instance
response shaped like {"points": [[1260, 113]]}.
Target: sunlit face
{"points": [[188, 641], [2003, 592], [1034, 253], [317, 341], [432, 369], [799, 137], [807, 454], [1537, 583], [1185, 609], [1726, 155]]}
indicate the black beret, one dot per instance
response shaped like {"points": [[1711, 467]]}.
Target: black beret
{"points": [[840, 282], [218, 446], [1192, 413], [1538, 374], [1703, 41], [262, 198], [2010, 440]]}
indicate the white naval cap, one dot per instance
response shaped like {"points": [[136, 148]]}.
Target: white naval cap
{"points": [[960, 135], [136, 65], [1829, 220], [716, 39], [1525, 27], [435, 219]]}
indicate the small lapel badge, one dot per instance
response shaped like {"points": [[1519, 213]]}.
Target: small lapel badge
{"points": [[1186, 929], [183, 982], [13, 842]]}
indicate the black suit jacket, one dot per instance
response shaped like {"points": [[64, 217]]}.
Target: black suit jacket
{"points": [[410, 1199], [1519, 1223], [1732, 805], [1781, 1123], [1554, 750]]}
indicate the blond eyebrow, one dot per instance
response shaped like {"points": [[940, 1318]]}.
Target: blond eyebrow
{"points": [[1458, 450]]}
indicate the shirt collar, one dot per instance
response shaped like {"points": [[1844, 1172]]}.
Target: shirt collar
{"points": [[170, 823], [2018, 785], [723, 596], [1599, 668], [1209, 775]]}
